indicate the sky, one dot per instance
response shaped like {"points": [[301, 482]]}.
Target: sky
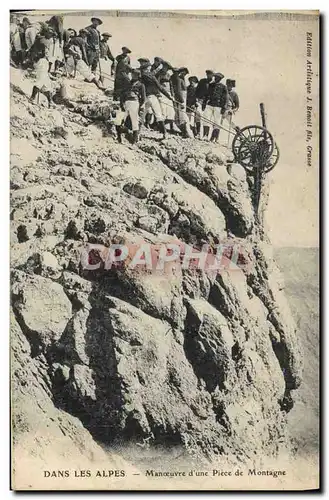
{"points": [[267, 58]]}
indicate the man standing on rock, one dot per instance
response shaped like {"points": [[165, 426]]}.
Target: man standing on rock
{"points": [[123, 67], [180, 93], [153, 90], [167, 108], [105, 51], [132, 102], [233, 98], [191, 104], [215, 104], [157, 66], [201, 92], [93, 43]]}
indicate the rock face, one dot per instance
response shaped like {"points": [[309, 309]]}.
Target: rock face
{"points": [[208, 362]]}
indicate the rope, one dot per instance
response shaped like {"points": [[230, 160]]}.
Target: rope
{"points": [[205, 120]]}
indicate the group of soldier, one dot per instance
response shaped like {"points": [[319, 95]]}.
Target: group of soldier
{"points": [[155, 94]]}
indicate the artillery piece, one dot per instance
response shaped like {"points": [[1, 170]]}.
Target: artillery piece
{"points": [[253, 147]]}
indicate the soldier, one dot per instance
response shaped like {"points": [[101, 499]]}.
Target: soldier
{"points": [[153, 91], [191, 104], [93, 43], [15, 41], [132, 102], [167, 108], [201, 92], [106, 55], [215, 104], [233, 102], [122, 68], [157, 66], [105, 51], [180, 94], [43, 83]]}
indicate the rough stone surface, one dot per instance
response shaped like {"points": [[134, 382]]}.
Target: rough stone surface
{"points": [[207, 362]]}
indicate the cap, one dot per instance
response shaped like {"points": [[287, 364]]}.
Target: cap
{"points": [[83, 32], [135, 71], [209, 72], [193, 79], [183, 68], [126, 50], [219, 75], [167, 64], [144, 62], [96, 19], [107, 35], [159, 59]]}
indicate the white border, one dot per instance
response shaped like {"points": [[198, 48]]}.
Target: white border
{"points": [[4, 191]]}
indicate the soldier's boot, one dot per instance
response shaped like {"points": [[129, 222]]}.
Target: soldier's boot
{"points": [[135, 137], [49, 99], [206, 131], [118, 130], [162, 128], [35, 92], [148, 119], [183, 128], [215, 135]]}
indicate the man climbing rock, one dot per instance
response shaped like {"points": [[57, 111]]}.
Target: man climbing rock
{"points": [[122, 69], [180, 94], [167, 107], [191, 104], [43, 83], [132, 102], [105, 51], [153, 91], [233, 98], [215, 104], [93, 43], [201, 92]]}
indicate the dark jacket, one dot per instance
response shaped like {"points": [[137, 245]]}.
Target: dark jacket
{"points": [[56, 23], [202, 88], [152, 85], [133, 91], [82, 44], [191, 96], [234, 98], [217, 95], [105, 50], [122, 59], [178, 87], [93, 38]]}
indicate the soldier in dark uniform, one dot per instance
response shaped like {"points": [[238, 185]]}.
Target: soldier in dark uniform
{"points": [[105, 51], [191, 104], [153, 90], [215, 104], [93, 43], [201, 92], [234, 102], [122, 68], [132, 100]]}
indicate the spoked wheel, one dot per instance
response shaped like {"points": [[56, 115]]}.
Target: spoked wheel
{"points": [[252, 145], [273, 160]]}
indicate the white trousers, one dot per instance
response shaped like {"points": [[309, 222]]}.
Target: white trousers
{"points": [[167, 108], [131, 109], [213, 113], [152, 104], [30, 35]]}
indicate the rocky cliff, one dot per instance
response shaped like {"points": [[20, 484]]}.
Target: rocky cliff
{"points": [[204, 362]]}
